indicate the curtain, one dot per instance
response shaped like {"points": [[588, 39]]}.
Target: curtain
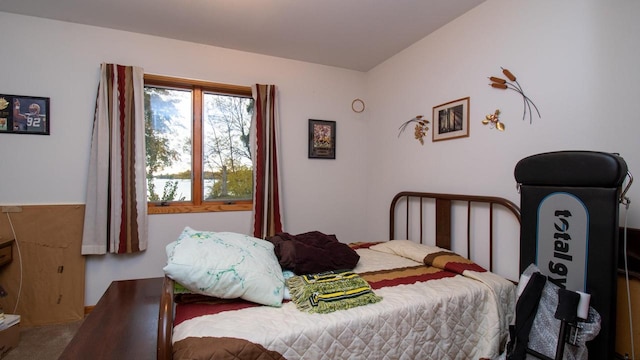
{"points": [[115, 218], [267, 220]]}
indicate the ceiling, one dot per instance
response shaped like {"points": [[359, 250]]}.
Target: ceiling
{"points": [[351, 34]]}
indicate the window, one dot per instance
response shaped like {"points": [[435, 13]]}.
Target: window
{"points": [[197, 138]]}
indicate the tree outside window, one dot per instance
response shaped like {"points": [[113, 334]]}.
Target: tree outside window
{"points": [[198, 152]]}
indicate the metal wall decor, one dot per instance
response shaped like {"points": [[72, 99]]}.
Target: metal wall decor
{"points": [[420, 131], [512, 84], [494, 120], [357, 105]]}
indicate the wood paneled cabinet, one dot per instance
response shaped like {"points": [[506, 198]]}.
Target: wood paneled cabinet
{"points": [[6, 252], [47, 268]]}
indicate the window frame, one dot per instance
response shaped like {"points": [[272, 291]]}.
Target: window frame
{"points": [[198, 88]]}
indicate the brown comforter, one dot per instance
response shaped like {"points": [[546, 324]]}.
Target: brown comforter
{"points": [[221, 349]]}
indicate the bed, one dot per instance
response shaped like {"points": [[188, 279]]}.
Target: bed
{"points": [[448, 307]]}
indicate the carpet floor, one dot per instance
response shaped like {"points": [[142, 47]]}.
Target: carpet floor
{"points": [[43, 342]]}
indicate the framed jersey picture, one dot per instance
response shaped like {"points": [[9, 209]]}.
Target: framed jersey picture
{"points": [[24, 115]]}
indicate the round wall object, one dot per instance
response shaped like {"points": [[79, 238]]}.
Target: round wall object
{"points": [[357, 105]]}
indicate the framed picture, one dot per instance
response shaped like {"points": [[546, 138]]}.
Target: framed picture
{"points": [[322, 139], [451, 120], [24, 114]]}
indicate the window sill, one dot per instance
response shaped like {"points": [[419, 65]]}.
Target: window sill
{"points": [[153, 209]]}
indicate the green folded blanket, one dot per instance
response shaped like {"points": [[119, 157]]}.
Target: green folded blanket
{"points": [[330, 291]]}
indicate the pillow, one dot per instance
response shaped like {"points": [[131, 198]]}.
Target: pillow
{"points": [[313, 252], [287, 292], [429, 255], [226, 265], [407, 249]]}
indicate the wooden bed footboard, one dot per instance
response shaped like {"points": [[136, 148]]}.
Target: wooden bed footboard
{"points": [[401, 217], [165, 321]]}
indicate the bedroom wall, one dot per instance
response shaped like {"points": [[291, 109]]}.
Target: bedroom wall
{"points": [[575, 59], [578, 62], [61, 61]]}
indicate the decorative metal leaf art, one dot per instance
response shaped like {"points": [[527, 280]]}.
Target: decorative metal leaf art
{"points": [[494, 121], [512, 84], [420, 130]]}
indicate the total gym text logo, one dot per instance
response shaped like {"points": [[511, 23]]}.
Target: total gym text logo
{"points": [[562, 240]]}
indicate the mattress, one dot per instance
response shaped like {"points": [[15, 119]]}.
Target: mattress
{"points": [[425, 312]]}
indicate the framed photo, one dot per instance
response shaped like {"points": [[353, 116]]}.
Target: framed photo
{"points": [[451, 120], [322, 139], [24, 114]]}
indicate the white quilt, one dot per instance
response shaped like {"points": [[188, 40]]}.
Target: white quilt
{"points": [[461, 317]]}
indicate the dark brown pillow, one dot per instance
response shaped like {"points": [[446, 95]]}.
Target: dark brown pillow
{"points": [[313, 252]]}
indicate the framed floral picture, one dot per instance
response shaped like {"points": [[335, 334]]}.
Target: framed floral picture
{"points": [[451, 120], [322, 139]]}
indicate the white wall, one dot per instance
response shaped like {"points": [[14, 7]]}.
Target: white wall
{"points": [[577, 60], [62, 60]]}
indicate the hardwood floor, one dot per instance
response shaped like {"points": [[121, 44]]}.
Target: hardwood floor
{"points": [[43, 342]]}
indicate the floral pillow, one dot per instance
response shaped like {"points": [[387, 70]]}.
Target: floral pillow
{"points": [[226, 265]]}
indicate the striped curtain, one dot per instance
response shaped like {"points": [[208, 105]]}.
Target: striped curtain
{"points": [[115, 218], [267, 220]]}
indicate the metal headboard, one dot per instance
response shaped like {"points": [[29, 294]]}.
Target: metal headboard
{"points": [[443, 215]]}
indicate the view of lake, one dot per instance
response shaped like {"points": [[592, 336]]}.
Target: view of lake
{"points": [[184, 187]]}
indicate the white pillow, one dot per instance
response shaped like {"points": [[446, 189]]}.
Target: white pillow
{"points": [[226, 265], [407, 249]]}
